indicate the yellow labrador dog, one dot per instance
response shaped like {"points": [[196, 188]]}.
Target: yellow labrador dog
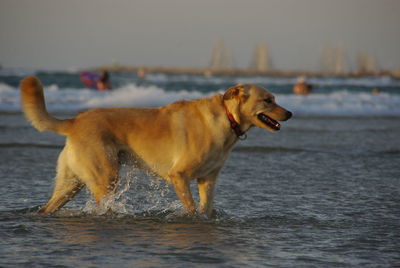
{"points": [[180, 142]]}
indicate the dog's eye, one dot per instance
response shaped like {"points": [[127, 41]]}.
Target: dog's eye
{"points": [[268, 100]]}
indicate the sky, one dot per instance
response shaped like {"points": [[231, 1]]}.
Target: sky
{"points": [[78, 34]]}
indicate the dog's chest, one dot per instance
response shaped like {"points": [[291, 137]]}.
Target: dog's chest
{"points": [[211, 162]]}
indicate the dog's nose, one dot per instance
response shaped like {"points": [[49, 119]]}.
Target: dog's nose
{"points": [[288, 115]]}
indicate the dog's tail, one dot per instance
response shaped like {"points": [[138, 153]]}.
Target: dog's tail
{"points": [[34, 107]]}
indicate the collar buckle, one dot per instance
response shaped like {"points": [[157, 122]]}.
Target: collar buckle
{"points": [[235, 126]]}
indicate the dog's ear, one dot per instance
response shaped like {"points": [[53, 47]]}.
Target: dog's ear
{"points": [[233, 98], [232, 92], [237, 92]]}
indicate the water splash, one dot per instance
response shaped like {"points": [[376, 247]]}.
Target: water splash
{"points": [[138, 193], [114, 202]]}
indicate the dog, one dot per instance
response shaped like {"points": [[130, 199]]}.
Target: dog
{"points": [[180, 142]]}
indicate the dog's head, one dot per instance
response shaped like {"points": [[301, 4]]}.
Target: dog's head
{"points": [[252, 105]]}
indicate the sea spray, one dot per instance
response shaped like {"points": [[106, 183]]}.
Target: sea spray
{"points": [[137, 193], [115, 202]]}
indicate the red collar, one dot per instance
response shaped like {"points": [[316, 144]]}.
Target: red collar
{"points": [[235, 125]]}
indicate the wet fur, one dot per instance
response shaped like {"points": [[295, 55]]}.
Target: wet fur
{"points": [[182, 141]]}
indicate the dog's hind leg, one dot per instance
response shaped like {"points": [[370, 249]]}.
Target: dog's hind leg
{"points": [[66, 186], [99, 170], [103, 186]]}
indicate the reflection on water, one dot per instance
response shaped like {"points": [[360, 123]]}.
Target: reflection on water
{"points": [[153, 241]]}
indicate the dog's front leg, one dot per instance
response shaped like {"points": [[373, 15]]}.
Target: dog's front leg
{"points": [[182, 189], [206, 188]]}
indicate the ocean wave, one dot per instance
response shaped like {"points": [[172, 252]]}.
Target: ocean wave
{"points": [[336, 103], [379, 81], [4, 88], [139, 96], [342, 103]]}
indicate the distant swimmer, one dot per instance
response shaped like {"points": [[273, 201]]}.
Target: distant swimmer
{"points": [[100, 82], [104, 81], [376, 91], [141, 73], [302, 87]]}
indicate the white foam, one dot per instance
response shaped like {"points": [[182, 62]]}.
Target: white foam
{"points": [[132, 95], [6, 88], [342, 103]]}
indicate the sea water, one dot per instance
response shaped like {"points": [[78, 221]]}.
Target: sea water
{"points": [[322, 192]]}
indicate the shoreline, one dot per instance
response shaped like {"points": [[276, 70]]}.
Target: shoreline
{"points": [[143, 70]]}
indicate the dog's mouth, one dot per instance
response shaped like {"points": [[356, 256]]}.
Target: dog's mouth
{"points": [[269, 121]]}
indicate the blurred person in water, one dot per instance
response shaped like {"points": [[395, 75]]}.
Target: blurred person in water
{"points": [[302, 87], [104, 81]]}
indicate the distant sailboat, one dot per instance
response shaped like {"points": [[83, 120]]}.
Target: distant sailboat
{"points": [[366, 64], [261, 60], [221, 59], [334, 60]]}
